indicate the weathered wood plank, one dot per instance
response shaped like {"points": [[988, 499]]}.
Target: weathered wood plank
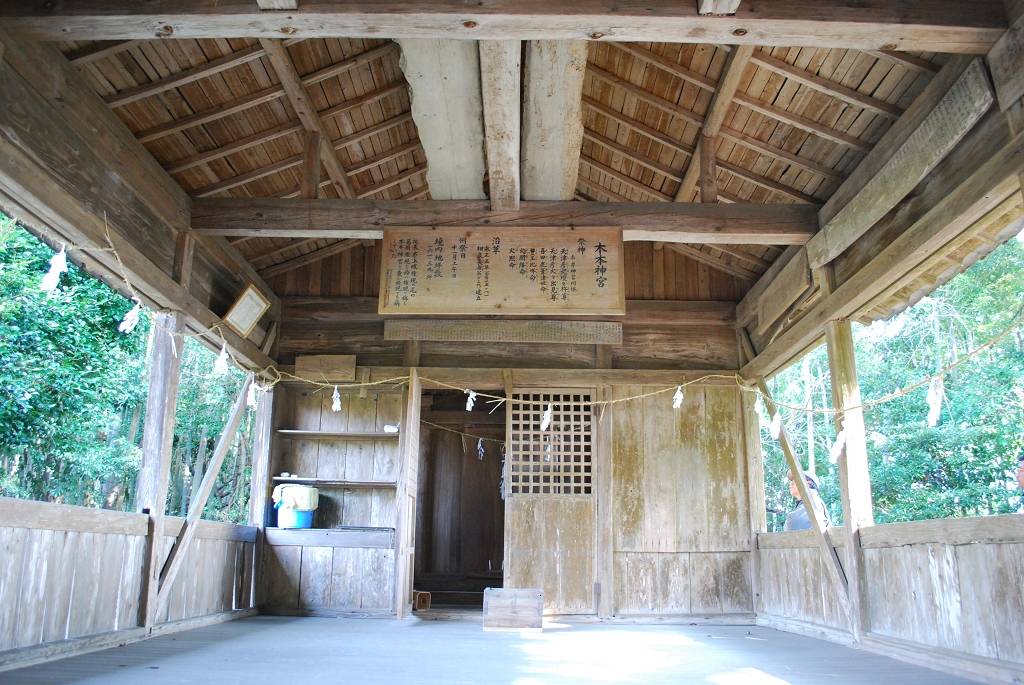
{"points": [[958, 111], [500, 86], [733, 224], [1007, 528], [547, 331], [21, 513], [791, 283], [927, 26], [1006, 59]]}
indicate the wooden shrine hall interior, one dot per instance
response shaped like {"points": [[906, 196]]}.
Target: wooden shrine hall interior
{"points": [[554, 205]]}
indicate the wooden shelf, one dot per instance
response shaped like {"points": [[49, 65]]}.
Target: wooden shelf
{"points": [[328, 482], [331, 435], [381, 538]]}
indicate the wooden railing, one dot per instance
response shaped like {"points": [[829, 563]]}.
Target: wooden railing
{"points": [[70, 578], [946, 593]]}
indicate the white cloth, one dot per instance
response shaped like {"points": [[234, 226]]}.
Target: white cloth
{"points": [[296, 497]]}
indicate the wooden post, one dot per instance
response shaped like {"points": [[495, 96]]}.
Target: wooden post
{"points": [[755, 484], [157, 441], [411, 357], [854, 481], [604, 566], [176, 556], [708, 170], [405, 526], [309, 181], [260, 483]]}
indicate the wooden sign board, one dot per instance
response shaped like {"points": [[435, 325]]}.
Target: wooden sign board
{"points": [[502, 271], [246, 312], [326, 367]]}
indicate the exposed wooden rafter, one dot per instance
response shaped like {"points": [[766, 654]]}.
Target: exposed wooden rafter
{"points": [[310, 257], [299, 98], [711, 260]]}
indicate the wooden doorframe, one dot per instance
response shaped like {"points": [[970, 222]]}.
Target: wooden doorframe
{"points": [[601, 542]]}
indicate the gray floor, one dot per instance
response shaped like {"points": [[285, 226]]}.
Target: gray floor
{"points": [[306, 651]]}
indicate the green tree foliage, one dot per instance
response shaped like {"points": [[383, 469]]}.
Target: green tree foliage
{"points": [[73, 395], [71, 381], [963, 465]]}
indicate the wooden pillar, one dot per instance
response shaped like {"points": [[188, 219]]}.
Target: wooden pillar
{"points": [[751, 426], [405, 497], [260, 484], [854, 482], [157, 441], [604, 562]]}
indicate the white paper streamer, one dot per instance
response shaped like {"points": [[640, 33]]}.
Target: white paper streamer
{"points": [[388, 428], [470, 400], [221, 365], [934, 400], [480, 448], [776, 425], [336, 404], [131, 320], [251, 398], [837, 447], [58, 265], [677, 399], [545, 420]]}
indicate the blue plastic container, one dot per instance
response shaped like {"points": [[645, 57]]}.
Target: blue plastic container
{"points": [[294, 518]]}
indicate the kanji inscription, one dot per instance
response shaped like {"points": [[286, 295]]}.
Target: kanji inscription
{"points": [[502, 271]]}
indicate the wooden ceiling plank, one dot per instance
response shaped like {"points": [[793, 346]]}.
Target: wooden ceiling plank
{"points": [[767, 183], [780, 154], [391, 181], [915, 64], [633, 183], [500, 71], [802, 123], [826, 86], [632, 155], [278, 249], [303, 106], [236, 146], [713, 261], [641, 128], [926, 25], [744, 255], [181, 78], [740, 224], [309, 258], [646, 96]]}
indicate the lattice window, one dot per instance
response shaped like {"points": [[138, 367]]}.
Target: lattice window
{"points": [[558, 459]]}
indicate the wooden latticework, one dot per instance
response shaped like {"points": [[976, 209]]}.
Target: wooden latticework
{"points": [[555, 459]]}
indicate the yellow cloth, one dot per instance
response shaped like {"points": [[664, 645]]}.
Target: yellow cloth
{"points": [[297, 497]]}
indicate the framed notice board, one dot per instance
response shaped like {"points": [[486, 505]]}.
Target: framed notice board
{"points": [[502, 271]]}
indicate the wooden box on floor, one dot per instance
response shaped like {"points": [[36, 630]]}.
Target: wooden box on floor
{"points": [[507, 609]]}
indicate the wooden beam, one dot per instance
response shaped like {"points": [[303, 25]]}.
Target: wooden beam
{"points": [[500, 84], [738, 224], [982, 191], [441, 72], [176, 556], [184, 256], [309, 257], [1006, 60], [708, 170], [552, 119], [713, 261], [299, 98], [309, 179], [157, 442], [925, 25], [732, 74], [944, 127], [337, 310]]}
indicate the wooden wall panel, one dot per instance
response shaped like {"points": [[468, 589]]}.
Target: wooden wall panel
{"points": [[59, 584], [679, 474]]}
